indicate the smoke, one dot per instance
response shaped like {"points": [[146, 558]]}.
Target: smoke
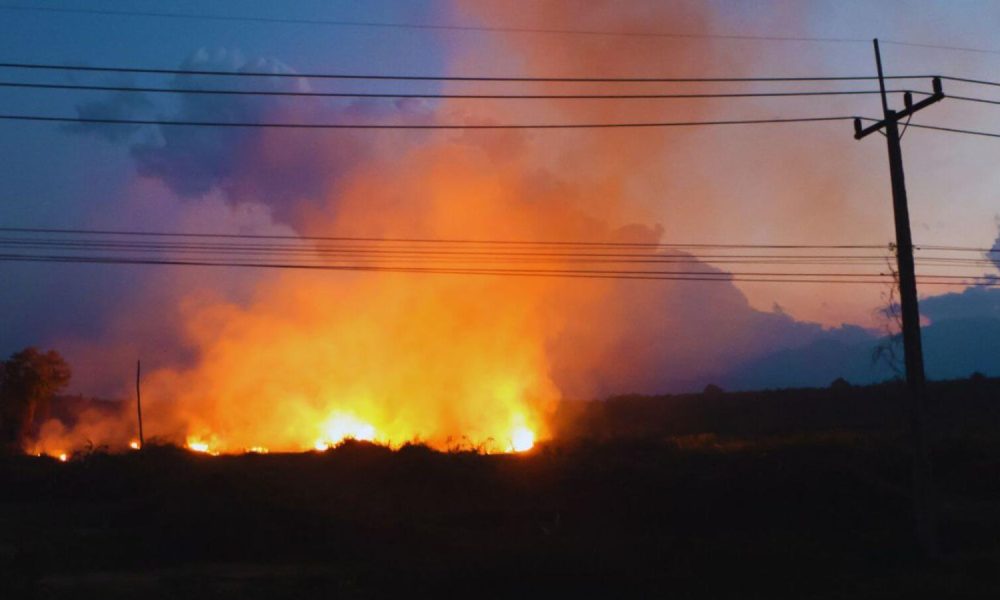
{"points": [[286, 360], [287, 171], [118, 105]]}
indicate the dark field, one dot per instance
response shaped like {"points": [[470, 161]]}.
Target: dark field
{"points": [[791, 494]]}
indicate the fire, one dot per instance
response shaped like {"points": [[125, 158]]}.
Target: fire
{"points": [[296, 361], [522, 439], [394, 359], [340, 427], [57, 454], [133, 445], [200, 446]]}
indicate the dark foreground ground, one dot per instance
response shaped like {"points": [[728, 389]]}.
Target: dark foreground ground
{"points": [[796, 494]]}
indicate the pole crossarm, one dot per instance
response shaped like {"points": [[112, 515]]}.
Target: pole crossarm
{"points": [[910, 109]]}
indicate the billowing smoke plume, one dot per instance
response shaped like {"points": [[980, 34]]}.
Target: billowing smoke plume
{"points": [[298, 360]]}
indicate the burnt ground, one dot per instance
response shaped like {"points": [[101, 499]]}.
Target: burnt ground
{"points": [[784, 494]]}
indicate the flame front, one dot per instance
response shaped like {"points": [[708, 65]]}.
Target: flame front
{"points": [[387, 359], [340, 427]]}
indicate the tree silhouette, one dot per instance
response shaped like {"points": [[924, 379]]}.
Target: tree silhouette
{"points": [[28, 380], [890, 349]]}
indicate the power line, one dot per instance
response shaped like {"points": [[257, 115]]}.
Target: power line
{"points": [[586, 259], [540, 271], [420, 250], [424, 26], [994, 250], [354, 255], [422, 244], [220, 73], [92, 120], [448, 246], [940, 47], [174, 90], [351, 252], [562, 273], [418, 240], [446, 126], [274, 125], [968, 80], [487, 29], [957, 130], [467, 250], [969, 99], [943, 128]]}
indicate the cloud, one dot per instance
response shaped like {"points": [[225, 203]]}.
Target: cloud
{"points": [[668, 336], [974, 302], [115, 105], [287, 170], [963, 337]]}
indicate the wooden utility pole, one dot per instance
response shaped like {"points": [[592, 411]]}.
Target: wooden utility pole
{"points": [[912, 350], [138, 401]]}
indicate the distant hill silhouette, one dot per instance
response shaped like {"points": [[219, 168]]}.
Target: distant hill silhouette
{"points": [[963, 338]]}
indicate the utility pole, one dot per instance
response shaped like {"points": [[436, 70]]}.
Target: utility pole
{"points": [[138, 401], [912, 351]]}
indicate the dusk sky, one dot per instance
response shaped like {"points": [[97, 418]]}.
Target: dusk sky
{"points": [[797, 183]]}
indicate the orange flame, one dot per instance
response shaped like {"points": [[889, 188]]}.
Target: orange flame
{"points": [[387, 364]]}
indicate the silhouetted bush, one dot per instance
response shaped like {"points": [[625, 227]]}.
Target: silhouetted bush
{"points": [[712, 390], [840, 384]]}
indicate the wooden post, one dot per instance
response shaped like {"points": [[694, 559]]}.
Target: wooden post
{"points": [[138, 401]]}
